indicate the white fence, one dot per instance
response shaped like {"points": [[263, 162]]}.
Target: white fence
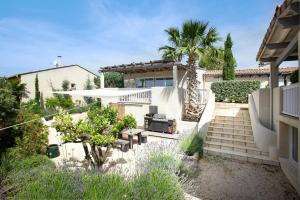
{"points": [[142, 97], [290, 99]]}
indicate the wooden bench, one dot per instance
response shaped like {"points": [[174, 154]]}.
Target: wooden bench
{"points": [[124, 144]]}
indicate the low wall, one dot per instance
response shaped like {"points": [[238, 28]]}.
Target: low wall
{"points": [[263, 137], [207, 115], [261, 99]]}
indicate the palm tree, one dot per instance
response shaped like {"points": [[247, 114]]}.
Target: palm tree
{"points": [[191, 42]]}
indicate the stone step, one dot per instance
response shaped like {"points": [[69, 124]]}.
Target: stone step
{"points": [[236, 148], [230, 141], [241, 156], [241, 122], [231, 135], [231, 118], [235, 126], [230, 130]]}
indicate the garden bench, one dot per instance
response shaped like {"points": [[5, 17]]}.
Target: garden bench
{"points": [[124, 144]]}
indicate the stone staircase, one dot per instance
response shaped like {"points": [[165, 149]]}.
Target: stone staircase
{"points": [[230, 135]]}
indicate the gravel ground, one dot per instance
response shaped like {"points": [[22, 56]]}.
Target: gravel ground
{"points": [[218, 178]]}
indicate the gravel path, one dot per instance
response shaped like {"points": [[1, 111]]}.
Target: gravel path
{"points": [[217, 178]]}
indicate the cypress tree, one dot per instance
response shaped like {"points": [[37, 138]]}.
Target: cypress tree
{"points": [[229, 61], [37, 91]]}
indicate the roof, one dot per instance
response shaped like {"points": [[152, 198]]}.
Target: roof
{"points": [[288, 9], [157, 65], [251, 72], [52, 68]]}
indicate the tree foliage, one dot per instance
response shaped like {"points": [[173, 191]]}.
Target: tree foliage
{"points": [[88, 86], [113, 79], [212, 59], [33, 139], [37, 90], [229, 61], [190, 42], [11, 92], [97, 82]]}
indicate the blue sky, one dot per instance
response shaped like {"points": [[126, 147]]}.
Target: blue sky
{"points": [[95, 33]]}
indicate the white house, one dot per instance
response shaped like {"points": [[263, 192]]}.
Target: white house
{"points": [[53, 77]]}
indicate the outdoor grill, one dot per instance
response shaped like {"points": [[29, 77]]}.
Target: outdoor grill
{"points": [[158, 122]]}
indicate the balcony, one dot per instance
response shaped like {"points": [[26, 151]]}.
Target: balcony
{"points": [[290, 100], [142, 97]]}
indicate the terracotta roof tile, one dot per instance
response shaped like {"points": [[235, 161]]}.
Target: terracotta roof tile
{"points": [[253, 71]]}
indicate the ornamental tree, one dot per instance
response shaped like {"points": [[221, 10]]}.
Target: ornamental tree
{"points": [[229, 61]]}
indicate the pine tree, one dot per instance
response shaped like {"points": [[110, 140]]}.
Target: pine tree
{"points": [[37, 91], [229, 61]]}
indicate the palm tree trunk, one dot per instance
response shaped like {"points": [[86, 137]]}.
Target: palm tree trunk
{"points": [[192, 109]]}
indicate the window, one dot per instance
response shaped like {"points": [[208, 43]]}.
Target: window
{"points": [[159, 82], [149, 83], [169, 82], [153, 82], [294, 144], [140, 83]]}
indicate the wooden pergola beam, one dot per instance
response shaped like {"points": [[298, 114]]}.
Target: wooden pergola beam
{"points": [[295, 7], [279, 45], [272, 59], [288, 22], [287, 52]]}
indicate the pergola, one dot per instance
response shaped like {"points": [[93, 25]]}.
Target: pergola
{"points": [[281, 42]]}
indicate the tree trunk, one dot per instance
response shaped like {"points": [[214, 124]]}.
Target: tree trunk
{"points": [[192, 108]]}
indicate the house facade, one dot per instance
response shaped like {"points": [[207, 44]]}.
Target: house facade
{"points": [[278, 108], [53, 77]]}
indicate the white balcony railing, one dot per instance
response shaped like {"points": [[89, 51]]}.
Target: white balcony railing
{"points": [[202, 96], [290, 100], [142, 97]]}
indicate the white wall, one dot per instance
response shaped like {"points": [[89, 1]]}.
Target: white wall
{"points": [[170, 101], [138, 111], [263, 137], [73, 74]]}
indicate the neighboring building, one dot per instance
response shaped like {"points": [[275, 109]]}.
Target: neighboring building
{"points": [[260, 74], [53, 77], [278, 108]]}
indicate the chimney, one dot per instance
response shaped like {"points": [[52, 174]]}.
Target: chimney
{"points": [[58, 61]]}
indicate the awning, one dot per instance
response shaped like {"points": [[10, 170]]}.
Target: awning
{"points": [[105, 92]]}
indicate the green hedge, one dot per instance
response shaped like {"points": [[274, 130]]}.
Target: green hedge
{"points": [[234, 91]]}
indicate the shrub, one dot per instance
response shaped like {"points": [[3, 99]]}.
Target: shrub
{"points": [[107, 112], [157, 184], [106, 186], [31, 162], [54, 185], [192, 144], [164, 162], [34, 138], [129, 121], [234, 91], [294, 77], [27, 170]]}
